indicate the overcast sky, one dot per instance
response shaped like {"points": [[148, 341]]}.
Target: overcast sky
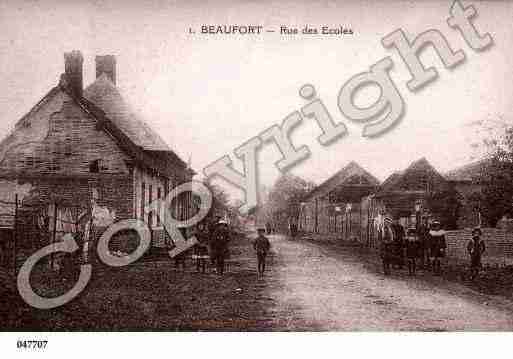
{"points": [[206, 95]]}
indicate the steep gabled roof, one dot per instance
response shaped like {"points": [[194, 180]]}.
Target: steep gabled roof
{"points": [[391, 180], [471, 172], [417, 177], [104, 94], [161, 161], [49, 95], [343, 177], [103, 102]]}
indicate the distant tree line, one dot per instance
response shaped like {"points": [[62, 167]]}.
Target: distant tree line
{"points": [[496, 177], [282, 202]]}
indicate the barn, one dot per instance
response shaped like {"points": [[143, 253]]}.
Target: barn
{"points": [[335, 205]]}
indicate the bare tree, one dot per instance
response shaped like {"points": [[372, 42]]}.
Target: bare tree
{"points": [[496, 176]]}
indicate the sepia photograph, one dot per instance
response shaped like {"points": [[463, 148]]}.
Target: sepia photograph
{"points": [[255, 166]]}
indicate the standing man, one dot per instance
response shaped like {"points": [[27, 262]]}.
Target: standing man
{"points": [[412, 250], [475, 248], [398, 242], [200, 253], [261, 246], [424, 244], [211, 229], [387, 242], [438, 245], [219, 246]]}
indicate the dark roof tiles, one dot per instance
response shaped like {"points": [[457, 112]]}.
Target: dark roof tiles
{"points": [[342, 177], [104, 94]]}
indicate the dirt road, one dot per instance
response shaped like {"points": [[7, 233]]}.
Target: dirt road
{"points": [[318, 287], [309, 286]]}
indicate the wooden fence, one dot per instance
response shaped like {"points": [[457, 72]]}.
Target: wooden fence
{"points": [[498, 242]]}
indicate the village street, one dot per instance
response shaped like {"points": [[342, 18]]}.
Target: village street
{"points": [[318, 287], [309, 286]]}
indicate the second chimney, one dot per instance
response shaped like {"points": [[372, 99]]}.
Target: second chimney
{"points": [[73, 69], [106, 64]]}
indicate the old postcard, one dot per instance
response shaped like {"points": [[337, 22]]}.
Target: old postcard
{"points": [[255, 166]]}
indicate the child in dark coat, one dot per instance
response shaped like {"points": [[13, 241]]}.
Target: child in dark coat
{"points": [[475, 248], [200, 253], [438, 246], [412, 249], [386, 235], [219, 245], [261, 246], [398, 243]]}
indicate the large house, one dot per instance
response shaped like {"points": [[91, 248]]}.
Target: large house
{"points": [[83, 150]]}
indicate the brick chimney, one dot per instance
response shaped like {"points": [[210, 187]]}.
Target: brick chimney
{"points": [[73, 70], [106, 64]]}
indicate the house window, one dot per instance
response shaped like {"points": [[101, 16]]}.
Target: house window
{"points": [[94, 166], [143, 192]]}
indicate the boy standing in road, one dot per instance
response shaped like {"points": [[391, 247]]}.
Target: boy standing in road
{"points": [[200, 253], [387, 245], [398, 242], [412, 250], [221, 237], [438, 246], [475, 248], [424, 244], [261, 246]]}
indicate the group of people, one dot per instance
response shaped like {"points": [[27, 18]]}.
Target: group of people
{"points": [[423, 245], [213, 241]]}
